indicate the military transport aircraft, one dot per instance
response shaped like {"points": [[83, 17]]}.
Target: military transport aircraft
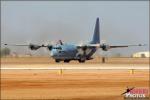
{"points": [[67, 52]]}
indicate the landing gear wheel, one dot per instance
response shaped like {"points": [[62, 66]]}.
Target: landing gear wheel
{"points": [[82, 60], [66, 61], [57, 60]]}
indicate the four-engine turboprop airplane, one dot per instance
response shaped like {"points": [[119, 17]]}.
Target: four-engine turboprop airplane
{"points": [[67, 52]]}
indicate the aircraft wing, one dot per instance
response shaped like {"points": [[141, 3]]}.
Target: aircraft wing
{"points": [[105, 47], [31, 46], [110, 46], [17, 44], [122, 46]]}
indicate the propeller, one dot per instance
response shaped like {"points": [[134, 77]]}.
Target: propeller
{"points": [[34, 47], [60, 42], [104, 47], [84, 48]]}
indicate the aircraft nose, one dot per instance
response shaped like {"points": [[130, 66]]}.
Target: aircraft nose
{"points": [[53, 54]]}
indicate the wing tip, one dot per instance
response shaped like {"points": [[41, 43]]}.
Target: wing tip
{"points": [[142, 45]]}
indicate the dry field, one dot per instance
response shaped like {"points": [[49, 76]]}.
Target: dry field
{"points": [[71, 84]]}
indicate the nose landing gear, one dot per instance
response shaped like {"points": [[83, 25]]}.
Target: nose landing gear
{"points": [[66, 61]]}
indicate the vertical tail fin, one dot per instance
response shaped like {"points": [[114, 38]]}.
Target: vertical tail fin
{"points": [[96, 38]]}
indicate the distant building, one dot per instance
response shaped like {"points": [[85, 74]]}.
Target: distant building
{"points": [[141, 54], [13, 54]]}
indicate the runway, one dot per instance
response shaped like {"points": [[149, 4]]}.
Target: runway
{"points": [[71, 81], [80, 68]]}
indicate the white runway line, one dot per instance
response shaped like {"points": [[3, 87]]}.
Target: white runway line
{"points": [[80, 68]]}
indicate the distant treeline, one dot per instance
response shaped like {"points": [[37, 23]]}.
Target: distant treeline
{"points": [[5, 52]]}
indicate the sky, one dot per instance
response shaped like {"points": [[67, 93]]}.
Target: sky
{"points": [[121, 23]]}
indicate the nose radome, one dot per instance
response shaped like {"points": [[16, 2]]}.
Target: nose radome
{"points": [[53, 53]]}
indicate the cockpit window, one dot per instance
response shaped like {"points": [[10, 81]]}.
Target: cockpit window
{"points": [[58, 48]]}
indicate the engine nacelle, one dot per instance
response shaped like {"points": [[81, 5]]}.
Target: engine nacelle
{"points": [[34, 47], [50, 47], [105, 47]]}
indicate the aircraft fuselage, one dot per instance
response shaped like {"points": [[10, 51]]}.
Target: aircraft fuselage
{"points": [[70, 52]]}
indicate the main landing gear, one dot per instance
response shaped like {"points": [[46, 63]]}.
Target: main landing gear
{"points": [[82, 60], [57, 60], [65, 61]]}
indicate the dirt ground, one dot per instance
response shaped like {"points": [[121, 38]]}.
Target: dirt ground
{"points": [[69, 85]]}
